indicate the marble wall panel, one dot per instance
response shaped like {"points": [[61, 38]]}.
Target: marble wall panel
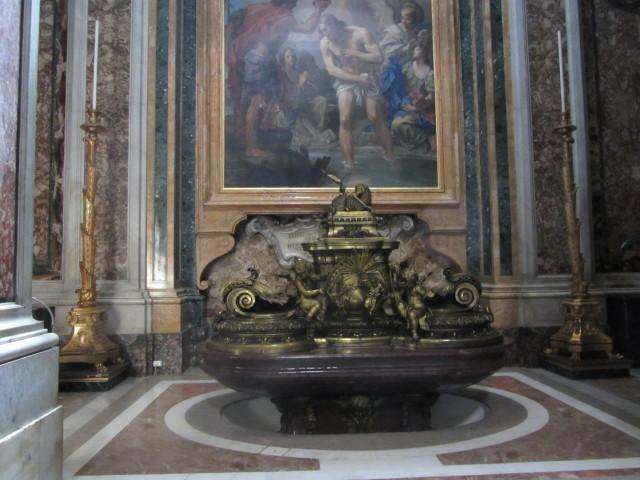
{"points": [[161, 122], [503, 169], [34, 451], [523, 345], [112, 154], [544, 19], [29, 389], [470, 146], [484, 92], [137, 352], [168, 348], [613, 91], [9, 93], [141, 349], [50, 122], [187, 172], [195, 330]]}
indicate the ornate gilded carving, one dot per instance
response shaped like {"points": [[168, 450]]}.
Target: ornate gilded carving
{"points": [[89, 343], [411, 298], [311, 301], [356, 283], [240, 295], [580, 332], [351, 295]]}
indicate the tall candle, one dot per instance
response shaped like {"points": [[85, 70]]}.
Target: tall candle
{"points": [[562, 101], [95, 64]]}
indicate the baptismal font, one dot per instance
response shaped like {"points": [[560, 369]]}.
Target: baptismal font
{"points": [[364, 344]]}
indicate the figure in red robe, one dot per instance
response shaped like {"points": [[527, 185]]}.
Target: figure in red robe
{"points": [[265, 24]]}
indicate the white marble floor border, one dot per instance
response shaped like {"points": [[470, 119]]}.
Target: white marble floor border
{"points": [[378, 470], [609, 398], [86, 452], [345, 468], [537, 418], [78, 419], [583, 407]]}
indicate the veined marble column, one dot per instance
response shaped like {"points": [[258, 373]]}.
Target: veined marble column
{"points": [[30, 421], [176, 304]]}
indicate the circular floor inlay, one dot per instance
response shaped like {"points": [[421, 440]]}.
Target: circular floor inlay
{"points": [[473, 418]]}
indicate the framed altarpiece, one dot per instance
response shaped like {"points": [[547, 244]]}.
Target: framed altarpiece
{"points": [[289, 91]]}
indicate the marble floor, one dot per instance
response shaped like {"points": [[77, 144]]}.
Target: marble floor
{"points": [[516, 424]]}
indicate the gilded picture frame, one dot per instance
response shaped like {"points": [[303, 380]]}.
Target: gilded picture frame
{"points": [[221, 206]]}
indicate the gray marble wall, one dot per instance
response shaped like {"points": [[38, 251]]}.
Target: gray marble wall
{"points": [[113, 146], [544, 19], [113, 149], [613, 92], [50, 135], [609, 35], [9, 89]]}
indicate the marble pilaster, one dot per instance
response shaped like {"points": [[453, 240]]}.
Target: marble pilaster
{"points": [[10, 81], [29, 389], [30, 423], [175, 303], [34, 450]]}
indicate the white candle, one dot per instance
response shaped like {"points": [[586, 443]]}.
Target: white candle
{"points": [[95, 64], [562, 101]]}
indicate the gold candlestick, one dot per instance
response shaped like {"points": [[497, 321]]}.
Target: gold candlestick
{"points": [[89, 358], [580, 348]]}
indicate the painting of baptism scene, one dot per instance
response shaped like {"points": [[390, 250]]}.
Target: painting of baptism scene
{"points": [[329, 86]]}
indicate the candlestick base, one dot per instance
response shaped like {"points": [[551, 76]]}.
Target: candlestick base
{"points": [[584, 369], [580, 333], [90, 360], [580, 349], [84, 377]]}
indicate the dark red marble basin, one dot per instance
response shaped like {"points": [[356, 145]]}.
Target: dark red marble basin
{"points": [[325, 371]]}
